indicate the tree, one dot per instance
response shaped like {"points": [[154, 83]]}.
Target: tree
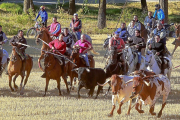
{"points": [[102, 14], [144, 5], [28, 4], [164, 7], [72, 7]]}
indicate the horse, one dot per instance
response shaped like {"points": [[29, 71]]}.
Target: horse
{"points": [[4, 61], [177, 30], [44, 35], [53, 70], [176, 43], [14, 68], [132, 60], [144, 32], [152, 64]]}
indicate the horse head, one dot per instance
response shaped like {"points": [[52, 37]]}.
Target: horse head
{"points": [[113, 55], [44, 35], [75, 53], [148, 57]]}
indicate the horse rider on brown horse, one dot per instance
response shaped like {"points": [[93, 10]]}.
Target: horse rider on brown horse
{"points": [[59, 47], [20, 49], [117, 42]]}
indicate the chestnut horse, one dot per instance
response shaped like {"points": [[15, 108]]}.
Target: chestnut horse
{"points": [[14, 68], [44, 35], [79, 61], [176, 43], [53, 70]]}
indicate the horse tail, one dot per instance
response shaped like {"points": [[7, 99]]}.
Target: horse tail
{"points": [[94, 52]]}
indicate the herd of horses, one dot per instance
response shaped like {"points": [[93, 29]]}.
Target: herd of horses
{"points": [[53, 70]]}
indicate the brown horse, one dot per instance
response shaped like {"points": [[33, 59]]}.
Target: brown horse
{"points": [[44, 35], [176, 43], [14, 68], [53, 70], [144, 32], [177, 30]]}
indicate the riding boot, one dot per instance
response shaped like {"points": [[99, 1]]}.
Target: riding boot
{"points": [[138, 66], [23, 67]]}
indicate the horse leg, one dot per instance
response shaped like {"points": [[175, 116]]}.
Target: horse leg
{"points": [[79, 88], [65, 81], [91, 91], [47, 83], [10, 79], [25, 81], [174, 49], [14, 80], [39, 62], [58, 86]]}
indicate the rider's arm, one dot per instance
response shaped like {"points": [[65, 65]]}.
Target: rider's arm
{"points": [[46, 16], [69, 42], [77, 43], [122, 35], [51, 44], [37, 15], [58, 27], [22, 47], [155, 14], [12, 41], [162, 16]]}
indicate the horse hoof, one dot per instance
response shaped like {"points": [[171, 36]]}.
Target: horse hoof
{"points": [[119, 112], [159, 115], [141, 111], [110, 115], [153, 113], [44, 95]]}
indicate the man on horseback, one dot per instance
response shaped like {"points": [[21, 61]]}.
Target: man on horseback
{"points": [[20, 49], [44, 16], [137, 22], [117, 42], [84, 46], [123, 34], [76, 25], [159, 13], [3, 39], [139, 43], [131, 29], [161, 32], [69, 42], [158, 48], [55, 28], [148, 22]]}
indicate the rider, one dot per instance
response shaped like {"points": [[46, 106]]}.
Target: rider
{"points": [[137, 22], [55, 28], [85, 46], [148, 21], [161, 32], [122, 32], [76, 25], [20, 48], [131, 29], [160, 13], [158, 49], [116, 41], [69, 42], [3, 39], [139, 43], [44, 16], [59, 47]]}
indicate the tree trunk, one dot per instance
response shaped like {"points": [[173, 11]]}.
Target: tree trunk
{"points": [[26, 5], [144, 5], [72, 7], [32, 5], [164, 7], [102, 14]]}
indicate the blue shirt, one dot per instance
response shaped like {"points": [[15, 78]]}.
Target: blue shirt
{"points": [[122, 33], [43, 14], [160, 14]]}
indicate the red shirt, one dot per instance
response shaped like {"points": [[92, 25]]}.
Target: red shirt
{"points": [[58, 45], [119, 43]]}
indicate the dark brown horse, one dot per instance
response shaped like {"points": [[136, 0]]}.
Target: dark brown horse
{"points": [[14, 68], [53, 70], [144, 32], [44, 35]]}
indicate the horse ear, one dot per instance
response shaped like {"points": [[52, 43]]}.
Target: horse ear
{"points": [[87, 69]]}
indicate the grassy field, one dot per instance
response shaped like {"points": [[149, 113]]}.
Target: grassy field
{"points": [[33, 106]]}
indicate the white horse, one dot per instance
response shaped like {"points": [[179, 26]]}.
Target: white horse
{"points": [[132, 60], [4, 61], [152, 64]]}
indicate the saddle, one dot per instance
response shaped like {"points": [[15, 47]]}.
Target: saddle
{"points": [[165, 60]]}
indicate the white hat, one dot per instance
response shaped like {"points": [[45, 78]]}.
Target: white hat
{"points": [[75, 14]]}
